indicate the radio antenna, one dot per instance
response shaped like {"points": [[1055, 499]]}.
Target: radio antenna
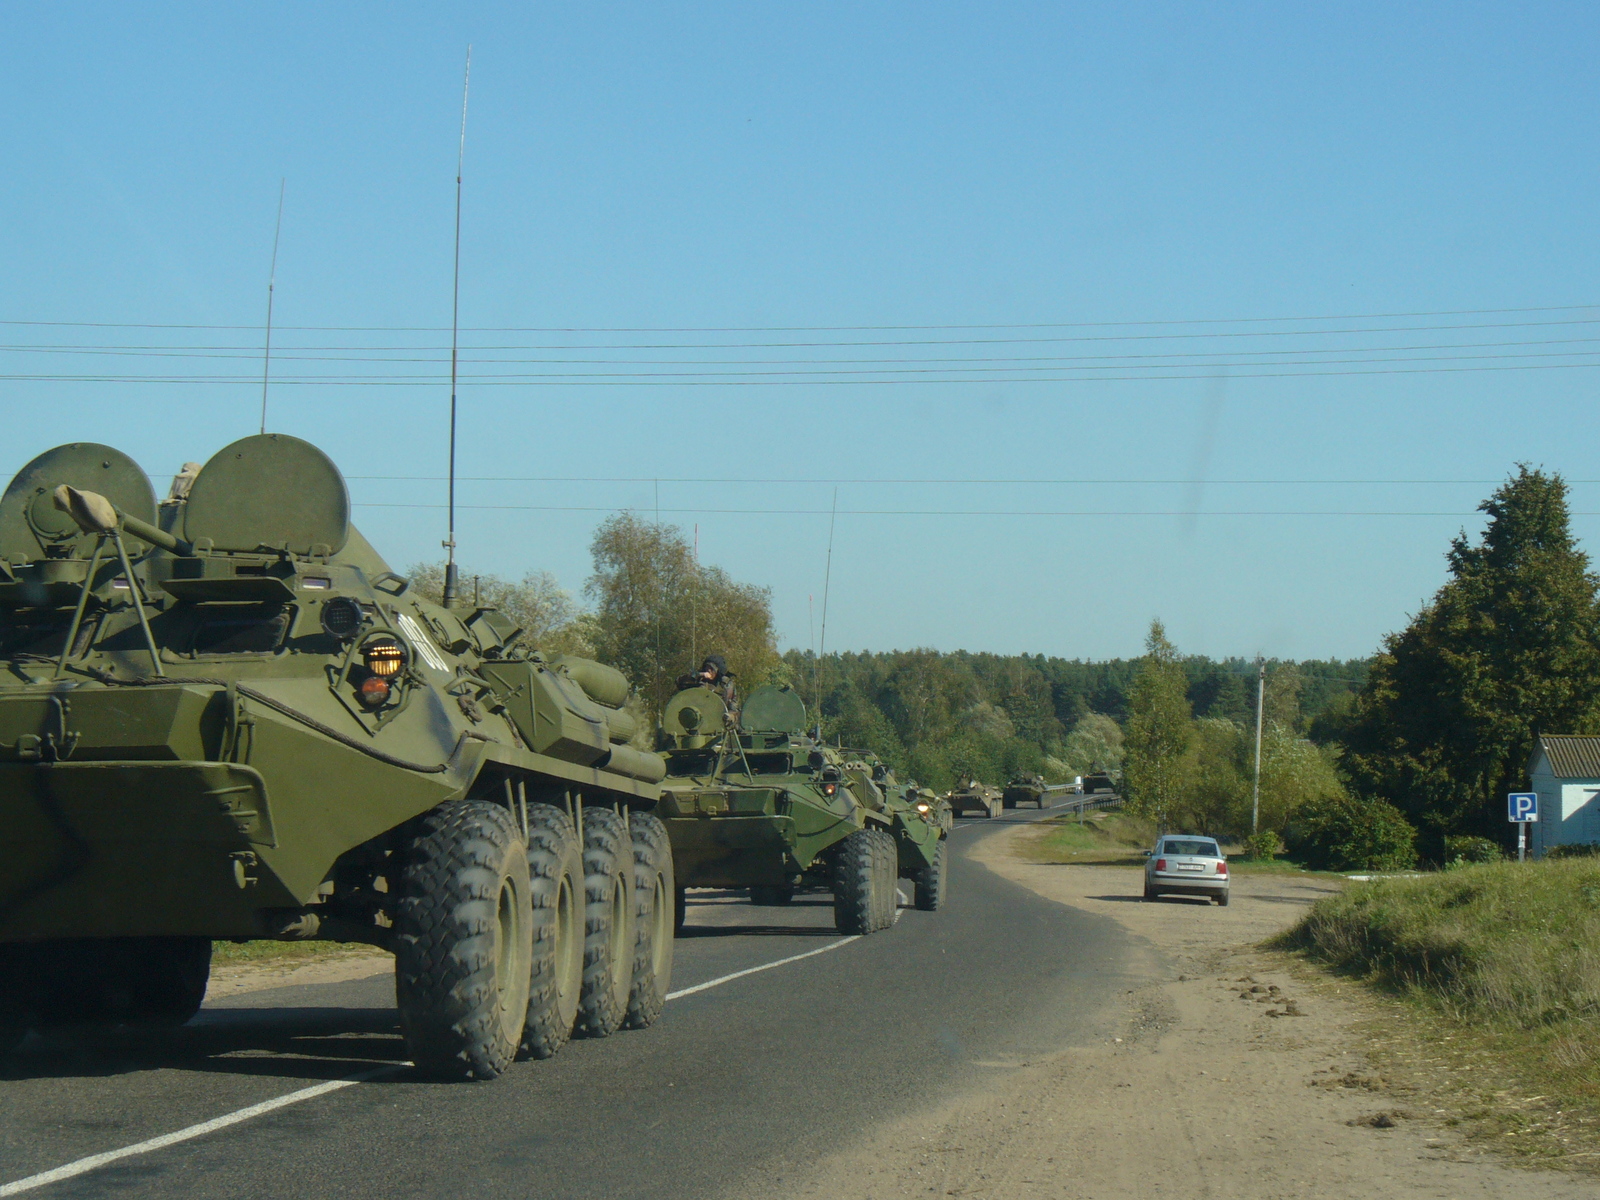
{"points": [[272, 283], [827, 580], [451, 581]]}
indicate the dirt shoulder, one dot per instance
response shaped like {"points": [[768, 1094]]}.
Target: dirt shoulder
{"points": [[1238, 1073], [336, 966]]}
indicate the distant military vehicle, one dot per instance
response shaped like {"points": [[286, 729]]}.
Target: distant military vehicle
{"points": [[229, 719], [1100, 781], [970, 796], [759, 804], [1029, 789]]}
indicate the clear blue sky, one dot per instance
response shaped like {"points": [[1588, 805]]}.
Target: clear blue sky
{"points": [[657, 168]]}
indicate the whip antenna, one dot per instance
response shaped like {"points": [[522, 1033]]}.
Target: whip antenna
{"points": [[451, 581], [827, 580], [272, 283]]}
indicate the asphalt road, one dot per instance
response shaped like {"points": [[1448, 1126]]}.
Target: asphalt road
{"points": [[735, 1084]]}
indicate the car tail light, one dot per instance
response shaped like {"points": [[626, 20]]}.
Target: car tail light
{"points": [[1161, 864], [1222, 868]]}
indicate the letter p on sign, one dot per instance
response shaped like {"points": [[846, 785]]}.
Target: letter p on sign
{"points": [[1522, 807]]}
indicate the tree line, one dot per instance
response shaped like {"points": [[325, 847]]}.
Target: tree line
{"points": [[1366, 762], [1417, 763]]}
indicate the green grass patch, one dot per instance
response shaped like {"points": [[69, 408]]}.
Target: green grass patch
{"points": [[1104, 837], [1506, 954], [265, 953]]}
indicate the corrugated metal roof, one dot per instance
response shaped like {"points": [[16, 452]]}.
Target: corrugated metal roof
{"points": [[1572, 756]]}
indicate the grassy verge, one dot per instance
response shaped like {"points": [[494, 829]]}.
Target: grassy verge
{"points": [[1104, 837], [230, 954], [1501, 965]]}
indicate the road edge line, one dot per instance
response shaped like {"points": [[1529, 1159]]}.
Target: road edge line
{"points": [[94, 1161], [711, 983]]}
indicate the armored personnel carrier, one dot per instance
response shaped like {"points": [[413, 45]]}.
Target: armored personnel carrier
{"points": [[1025, 789], [758, 804], [227, 718], [970, 796]]}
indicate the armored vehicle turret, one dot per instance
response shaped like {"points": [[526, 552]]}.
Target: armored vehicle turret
{"points": [[1026, 789], [757, 803], [228, 718]]}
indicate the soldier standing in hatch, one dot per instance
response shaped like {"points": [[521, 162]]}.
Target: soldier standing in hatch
{"points": [[714, 674]]}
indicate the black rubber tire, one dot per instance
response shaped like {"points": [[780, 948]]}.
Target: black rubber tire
{"points": [[157, 981], [464, 941], [609, 923], [771, 895], [1222, 900], [655, 890], [890, 887], [862, 863], [680, 911], [931, 880], [555, 888], [1149, 892]]}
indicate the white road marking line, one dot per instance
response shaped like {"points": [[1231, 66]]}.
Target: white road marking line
{"points": [[711, 983], [95, 1161]]}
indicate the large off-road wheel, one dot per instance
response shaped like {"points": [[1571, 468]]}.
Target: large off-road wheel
{"points": [[111, 981], [864, 870], [930, 880], [609, 937], [655, 894], [555, 887], [766, 895], [464, 941]]}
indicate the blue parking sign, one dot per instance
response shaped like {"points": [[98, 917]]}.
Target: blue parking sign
{"points": [[1522, 807]]}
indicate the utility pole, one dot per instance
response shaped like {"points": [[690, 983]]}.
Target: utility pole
{"points": [[1255, 787]]}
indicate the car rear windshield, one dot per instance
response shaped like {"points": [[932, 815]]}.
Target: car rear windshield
{"points": [[1191, 846]]}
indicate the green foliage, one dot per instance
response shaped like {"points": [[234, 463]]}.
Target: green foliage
{"points": [[1095, 744], [658, 613], [1465, 850], [1160, 729], [1574, 850], [1507, 649], [1507, 942], [1349, 833], [1264, 846]]}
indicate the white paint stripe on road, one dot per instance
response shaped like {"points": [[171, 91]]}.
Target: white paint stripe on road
{"points": [[711, 983], [95, 1161]]}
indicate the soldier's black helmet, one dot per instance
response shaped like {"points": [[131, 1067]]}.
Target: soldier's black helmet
{"points": [[716, 664]]}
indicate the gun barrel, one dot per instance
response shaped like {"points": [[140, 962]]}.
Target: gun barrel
{"points": [[147, 532]]}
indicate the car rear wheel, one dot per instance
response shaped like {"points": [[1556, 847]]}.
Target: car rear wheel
{"points": [[1222, 899]]}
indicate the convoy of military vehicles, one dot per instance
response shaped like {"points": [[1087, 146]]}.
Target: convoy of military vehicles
{"points": [[223, 717]]}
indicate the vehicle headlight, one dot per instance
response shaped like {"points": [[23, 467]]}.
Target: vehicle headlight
{"points": [[384, 657]]}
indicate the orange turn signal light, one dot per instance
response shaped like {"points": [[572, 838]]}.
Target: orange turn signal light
{"points": [[373, 691]]}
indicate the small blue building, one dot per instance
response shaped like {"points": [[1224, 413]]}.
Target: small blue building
{"points": [[1565, 772]]}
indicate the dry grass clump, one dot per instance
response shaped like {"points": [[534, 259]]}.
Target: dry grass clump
{"points": [[1509, 950]]}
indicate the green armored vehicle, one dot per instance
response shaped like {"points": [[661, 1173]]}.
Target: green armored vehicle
{"points": [[227, 718], [1025, 789], [758, 804], [970, 796]]}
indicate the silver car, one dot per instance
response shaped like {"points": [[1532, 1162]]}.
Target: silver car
{"points": [[1186, 865]]}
